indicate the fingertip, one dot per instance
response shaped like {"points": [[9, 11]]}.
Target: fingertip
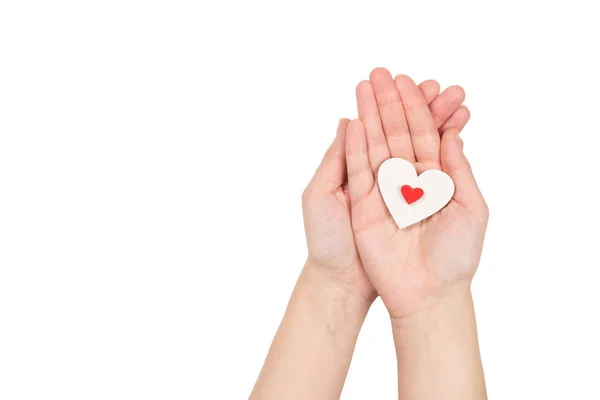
{"points": [[342, 126], [356, 141], [354, 124], [458, 92], [434, 84], [402, 79], [362, 87], [430, 89], [356, 131], [464, 115], [431, 85], [458, 120], [360, 178], [451, 152], [380, 73]]}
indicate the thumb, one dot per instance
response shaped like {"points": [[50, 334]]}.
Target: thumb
{"points": [[455, 164], [332, 170]]}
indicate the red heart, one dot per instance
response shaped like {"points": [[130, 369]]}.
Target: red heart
{"points": [[411, 195]]}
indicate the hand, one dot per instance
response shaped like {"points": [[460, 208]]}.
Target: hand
{"points": [[430, 262], [326, 202]]}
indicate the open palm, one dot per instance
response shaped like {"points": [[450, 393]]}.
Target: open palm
{"points": [[416, 267], [326, 200]]}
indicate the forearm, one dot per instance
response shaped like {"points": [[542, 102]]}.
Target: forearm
{"points": [[438, 353], [311, 352]]}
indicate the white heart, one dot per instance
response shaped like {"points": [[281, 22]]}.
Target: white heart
{"points": [[438, 189]]}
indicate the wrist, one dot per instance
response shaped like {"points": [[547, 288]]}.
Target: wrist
{"points": [[334, 290], [441, 312], [311, 352], [438, 351], [320, 310]]}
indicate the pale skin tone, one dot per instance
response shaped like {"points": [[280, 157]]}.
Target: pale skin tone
{"points": [[356, 252]]}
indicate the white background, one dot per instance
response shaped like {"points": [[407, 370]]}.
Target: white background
{"points": [[153, 154]]}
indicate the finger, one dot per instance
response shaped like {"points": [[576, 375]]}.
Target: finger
{"points": [[456, 165], [423, 132], [429, 89], [457, 120], [446, 104], [360, 174], [331, 173], [392, 116], [369, 115]]}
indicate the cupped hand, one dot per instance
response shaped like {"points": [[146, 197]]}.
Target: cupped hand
{"points": [[428, 263], [326, 201]]}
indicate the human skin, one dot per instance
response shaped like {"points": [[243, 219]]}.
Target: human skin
{"points": [[326, 200], [311, 352], [423, 273]]}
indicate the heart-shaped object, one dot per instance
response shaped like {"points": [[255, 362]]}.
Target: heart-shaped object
{"points": [[411, 195], [411, 198]]}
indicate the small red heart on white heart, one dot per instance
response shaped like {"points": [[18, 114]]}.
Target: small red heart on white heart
{"points": [[411, 198], [411, 195]]}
